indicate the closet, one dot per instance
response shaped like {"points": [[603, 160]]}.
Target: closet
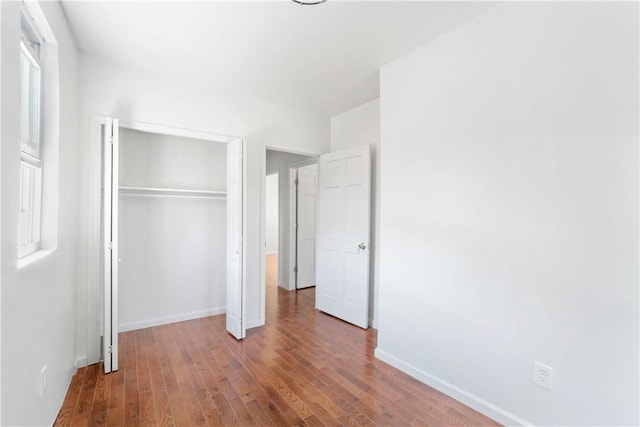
{"points": [[172, 229], [172, 219]]}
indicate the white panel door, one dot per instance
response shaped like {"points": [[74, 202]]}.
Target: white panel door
{"points": [[306, 222], [235, 240], [110, 242], [342, 284]]}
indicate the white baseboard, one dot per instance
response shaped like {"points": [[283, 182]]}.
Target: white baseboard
{"points": [[80, 362], [285, 286], [469, 399], [373, 323], [124, 327]]}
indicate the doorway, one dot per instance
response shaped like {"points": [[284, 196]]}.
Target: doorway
{"points": [[281, 221], [339, 248]]}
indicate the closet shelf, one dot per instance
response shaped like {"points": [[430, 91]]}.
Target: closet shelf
{"points": [[171, 192]]}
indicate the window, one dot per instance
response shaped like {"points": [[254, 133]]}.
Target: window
{"points": [[31, 164]]}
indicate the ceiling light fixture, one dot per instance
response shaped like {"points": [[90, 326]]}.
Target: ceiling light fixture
{"points": [[308, 2]]}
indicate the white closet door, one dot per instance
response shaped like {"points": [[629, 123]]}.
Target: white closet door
{"points": [[110, 241], [344, 182], [306, 223], [235, 240]]}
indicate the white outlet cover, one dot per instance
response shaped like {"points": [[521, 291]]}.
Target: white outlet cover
{"points": [[542, 375]]}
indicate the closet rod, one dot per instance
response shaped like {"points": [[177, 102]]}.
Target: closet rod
{"points": [[171, 192]]}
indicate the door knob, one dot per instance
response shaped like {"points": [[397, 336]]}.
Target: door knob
{"points": [[362, 246]]}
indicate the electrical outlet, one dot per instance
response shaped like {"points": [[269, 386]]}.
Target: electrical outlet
{"points": [[43, 380], [542, 375]]}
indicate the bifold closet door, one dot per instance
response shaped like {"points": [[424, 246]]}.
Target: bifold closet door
{"points": [[110, 241], [235, 277], [235, 239]]}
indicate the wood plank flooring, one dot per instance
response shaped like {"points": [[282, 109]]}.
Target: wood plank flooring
{"points": [[302, 368]]}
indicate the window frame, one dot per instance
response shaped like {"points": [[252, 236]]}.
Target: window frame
{"points": [[30, 199]]}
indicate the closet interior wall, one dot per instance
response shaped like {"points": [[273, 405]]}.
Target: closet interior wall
{"points": [[172, 229]]}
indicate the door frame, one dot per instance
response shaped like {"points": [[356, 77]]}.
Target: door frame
{"points": [[93, 209]]}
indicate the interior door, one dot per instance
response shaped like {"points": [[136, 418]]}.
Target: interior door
{"points": [[342, 286], [110, 242], [235, 240], [306, 226]]}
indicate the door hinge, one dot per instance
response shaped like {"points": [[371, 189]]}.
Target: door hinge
{"points": [[296, 181], [295, 269], [110, 246], [109, 349], [110, 140]]}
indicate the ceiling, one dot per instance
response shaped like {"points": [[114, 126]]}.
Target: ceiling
{"points": [[322, 58]]}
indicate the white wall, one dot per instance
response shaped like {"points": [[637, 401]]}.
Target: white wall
{"points": [[509, 214], [168, 161], [110, 89], [172, 250], [271, 208], [1, 210], [285, 251], [358, 126], [38, 300], [361, 126]]}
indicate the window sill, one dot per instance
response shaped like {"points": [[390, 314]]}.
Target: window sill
{"points": [[31, 258]]}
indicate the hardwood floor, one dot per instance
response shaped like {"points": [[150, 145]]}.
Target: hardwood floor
{"points": [[302, 368], [271, 270]]}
